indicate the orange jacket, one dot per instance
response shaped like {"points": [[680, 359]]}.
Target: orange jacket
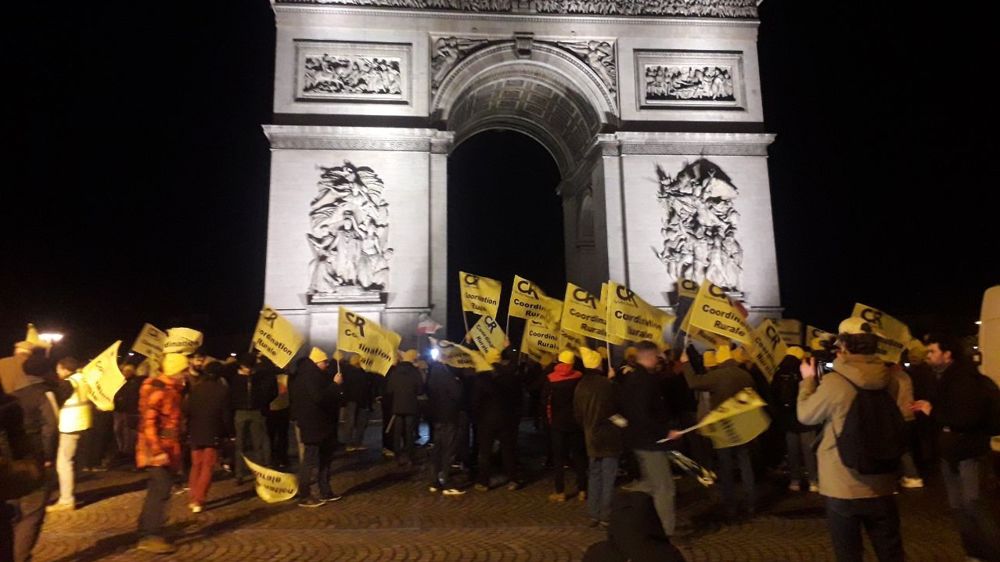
{"points": [[160, 422]]}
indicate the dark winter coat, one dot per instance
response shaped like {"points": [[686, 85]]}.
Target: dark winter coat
{"points": [[251, 392], [404, 384], [314, 400], [41, 422], [645, 409], [785, 395], [209, 419], [959, 410], [444, 393], [496, 396], [357, 385], [557, 395], [127, 399], [721, 383], [594, 401]]}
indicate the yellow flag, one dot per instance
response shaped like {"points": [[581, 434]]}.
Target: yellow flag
{"points": [[791, 331], [182, 340], [276, 337], [568, 340], [631, 318], [486, 333], [540, 338], [768, 348], [583, 314], [895, 334], [712, 311], [31, 336], [813, 332], [736, 421], [527, 301], [480, 295], [150, 342], [687, 288], [104, 378], [375, 345], [273, 486], [460, 357]]}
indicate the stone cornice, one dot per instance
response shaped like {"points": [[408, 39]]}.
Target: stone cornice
{"points": [[308, 137], [716, 144]]}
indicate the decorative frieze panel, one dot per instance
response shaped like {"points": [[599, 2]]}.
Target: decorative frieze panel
{"points": [[448, 52], [335, 71], [599, 55], [740, 9], [689, 79]]}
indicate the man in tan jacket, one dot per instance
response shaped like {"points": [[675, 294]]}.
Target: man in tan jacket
{"points": [[853, 500]]}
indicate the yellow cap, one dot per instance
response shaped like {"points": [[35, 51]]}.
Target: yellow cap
{"points": [[174, 363], [855, 326], [354, 361], [709, 359], [493, 356], [797, 352], [338, 355], [318, 355], [816, 344], [723, 353], [631, 353], [591, 359], [410, 355], [567, 356]]}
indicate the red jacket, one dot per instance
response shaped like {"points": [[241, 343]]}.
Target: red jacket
{"points": [[160, 422]]}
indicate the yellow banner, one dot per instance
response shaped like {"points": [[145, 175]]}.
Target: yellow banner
{"points": [[687, 288], [540, 338], [736, 421], [895, 334], [273, 486], [150, 341], [376, 346], [712, 311], [813, 332], [582, 314], [480, 295], [459, 356], [631, 318], [571, 341], [104, 378], [791, 331], [527, 301], [768, 348], [182, 340], [486, 333], [276, 338]]}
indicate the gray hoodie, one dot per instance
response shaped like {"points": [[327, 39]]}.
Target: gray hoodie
{"points": [[828, 404]]}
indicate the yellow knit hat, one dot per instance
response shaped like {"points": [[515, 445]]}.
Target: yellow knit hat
{"points": [[354, 361], [797, 352], [493, 356], [709, 359], [411, 355], [174, 363], [591, 358], [723, 353], [318, 355], [567, 356], [631, 353]]}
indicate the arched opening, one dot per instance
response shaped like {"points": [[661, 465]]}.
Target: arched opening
{"points": [[504, 217]]}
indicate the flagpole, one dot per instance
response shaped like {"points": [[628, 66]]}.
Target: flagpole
{"points": [[466, 322]]}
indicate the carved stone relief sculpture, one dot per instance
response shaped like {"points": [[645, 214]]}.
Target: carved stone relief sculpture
{"points": [[599, 56], [349, 231], [676, 83], [688, 8], [337, 74], [699, 225], [449, 51]]}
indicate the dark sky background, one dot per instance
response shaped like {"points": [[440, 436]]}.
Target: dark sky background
{"points": [[136, 173]]}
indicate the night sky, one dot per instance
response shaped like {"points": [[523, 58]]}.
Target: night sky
{"points": [[137, 174]]}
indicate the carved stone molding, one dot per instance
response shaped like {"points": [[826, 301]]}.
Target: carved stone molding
{"points": [[599, 55], [734, 9], [448, 52], [296, 137], [719, 144]]}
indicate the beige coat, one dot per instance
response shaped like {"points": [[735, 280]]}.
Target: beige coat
{"points": [[827, 404]]}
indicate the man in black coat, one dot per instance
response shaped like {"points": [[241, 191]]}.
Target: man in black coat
{"points": [[314, 396], [496, 402], [444, 393], [208, 422], [251, 389], [357, 404], [403, 385]]}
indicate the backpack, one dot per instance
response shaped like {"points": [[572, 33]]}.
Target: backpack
{"points": [[874, 435], [992, 394]]}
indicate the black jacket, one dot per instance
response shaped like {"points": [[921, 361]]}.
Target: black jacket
{"points": [[404, 384], [645, 409], [444, 392], [357, 386], [785, 395], [594, 401], [314, 400], [496, 396], [41, 423], [557, 395], [127, 398], [251, 392], [209, 419], [960, 409]]}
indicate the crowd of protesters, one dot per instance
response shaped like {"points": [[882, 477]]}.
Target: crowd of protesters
{"points": [[613, 426]]}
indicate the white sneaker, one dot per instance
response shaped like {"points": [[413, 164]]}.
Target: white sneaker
{"points": [[813, 487], [196, 509], [911, 482], [453, 492], [795, 487]]}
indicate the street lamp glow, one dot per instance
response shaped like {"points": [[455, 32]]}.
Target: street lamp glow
{"points": [[50, 337], [979, 322]]}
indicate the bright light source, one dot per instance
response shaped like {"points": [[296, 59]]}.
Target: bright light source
{"points": [[979, 322], [435, 353], [50, 337], [829, 365], [975, 347], [130, 354], [233, 354]]}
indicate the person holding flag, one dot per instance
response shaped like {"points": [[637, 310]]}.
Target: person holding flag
{"points": [[595, 401], [567, 435], [496, 401]]}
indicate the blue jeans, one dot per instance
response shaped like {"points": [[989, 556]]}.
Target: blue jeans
{"points": [[976, 522], [728, 457], [601, 487], [657, 480]]}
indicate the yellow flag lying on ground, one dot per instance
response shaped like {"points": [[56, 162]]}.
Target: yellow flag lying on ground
{"points": [[791, 331], [768, 348], [276, 338], [486, 333], [376, 346], [582, 314], [631, 318], [540, 338], [895, 334], [460, 357], [480, 295], [736, 421], [712, 311], [104, 378], [527, 301], [273, 486], [150, 342], [182, 340]]}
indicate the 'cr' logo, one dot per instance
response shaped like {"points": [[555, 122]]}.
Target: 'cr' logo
{"points": [[773, 335], [470, 279], [525, 287], [358, 322], [873, 316], [716, 291], [689, 285], [269, 317], [625, 294], [583, 297], [491, 324]]}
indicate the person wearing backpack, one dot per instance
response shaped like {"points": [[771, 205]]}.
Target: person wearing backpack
{"points": [[964, 408], [862, 441]]}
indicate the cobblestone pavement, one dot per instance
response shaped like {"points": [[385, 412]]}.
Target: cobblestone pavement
{"points": [[388, 514]]}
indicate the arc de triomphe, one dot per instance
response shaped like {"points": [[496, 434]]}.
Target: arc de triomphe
{"points": [[651, 110]]}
